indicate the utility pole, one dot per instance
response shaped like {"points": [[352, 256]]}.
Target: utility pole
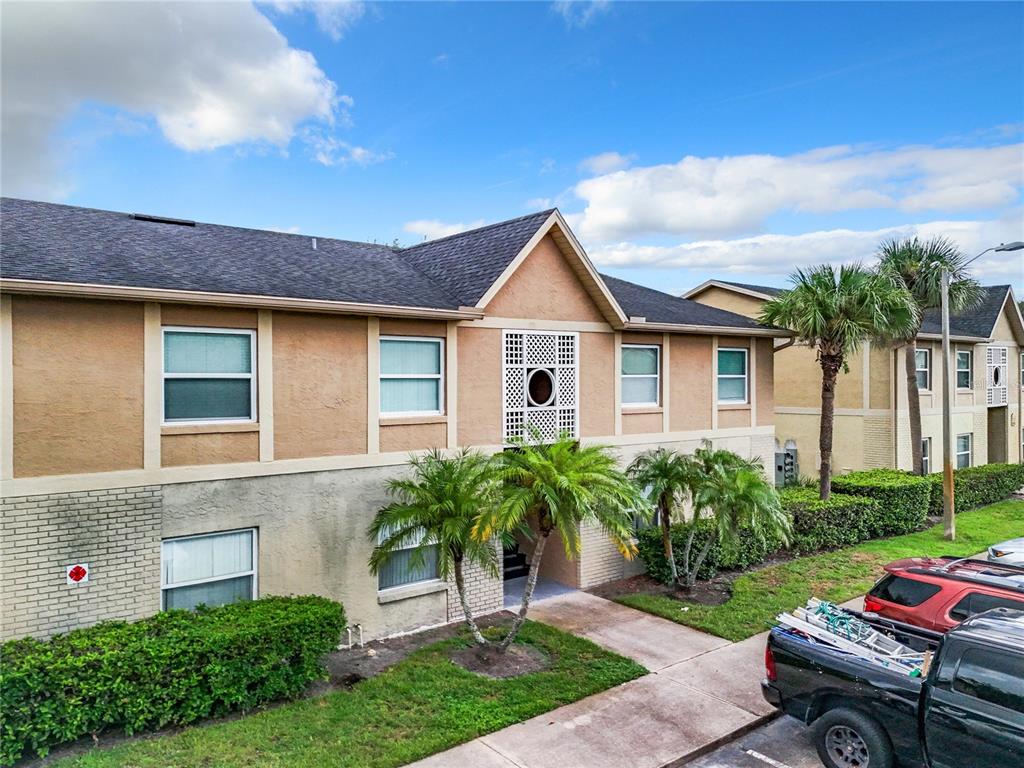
{"points": [[948, 502]]}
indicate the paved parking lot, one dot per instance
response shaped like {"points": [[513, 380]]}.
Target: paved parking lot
{"points": [[781, 743]]}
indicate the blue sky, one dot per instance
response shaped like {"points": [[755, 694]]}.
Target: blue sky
{"points": [[682, 141]]}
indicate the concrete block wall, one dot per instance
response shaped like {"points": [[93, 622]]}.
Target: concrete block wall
{"points": [[484, 592], [117, 532], [877, 442]]}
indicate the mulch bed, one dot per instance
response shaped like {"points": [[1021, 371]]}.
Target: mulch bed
{"points": [[489, 661]]}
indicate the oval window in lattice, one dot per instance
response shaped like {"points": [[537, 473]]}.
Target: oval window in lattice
{"points": [[540, 387]]}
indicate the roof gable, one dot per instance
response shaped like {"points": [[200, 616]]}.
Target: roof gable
{"points": [[976, 323], [745, 289]]}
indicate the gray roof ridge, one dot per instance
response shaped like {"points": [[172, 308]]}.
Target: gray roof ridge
{"points": [[477, 230]]}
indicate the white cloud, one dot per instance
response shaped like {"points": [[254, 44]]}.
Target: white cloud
{"points": [[431, 229], [605, 162], [329, 150], [700, 196], [773, 254], [210, 74], [579, 13], [333, 17], [540, 203]]}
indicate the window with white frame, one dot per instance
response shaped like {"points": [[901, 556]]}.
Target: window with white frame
{"points": [[923, 363], [410, 565], [641, 374], [964, 369], [211, 569], [926, 454], [963, 450], [209, 375], [732, 375], [411, 376]]}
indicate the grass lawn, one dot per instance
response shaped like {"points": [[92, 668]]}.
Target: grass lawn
{"points": [[420, 706], [759, 596]]}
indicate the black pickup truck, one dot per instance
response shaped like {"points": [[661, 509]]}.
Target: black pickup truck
{"points": [[967, 711]]}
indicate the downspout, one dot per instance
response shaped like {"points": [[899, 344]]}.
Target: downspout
{"points": [[783, 345]]}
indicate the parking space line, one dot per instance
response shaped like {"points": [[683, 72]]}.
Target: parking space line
{"points": [[766, 759]]}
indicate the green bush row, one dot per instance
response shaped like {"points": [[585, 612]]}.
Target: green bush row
{"points": [[743, 553], [978, 486], [839, 522], [173, 668], [902, 498]]}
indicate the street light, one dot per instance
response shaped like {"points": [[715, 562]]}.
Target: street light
{"points": [[948, 520]]}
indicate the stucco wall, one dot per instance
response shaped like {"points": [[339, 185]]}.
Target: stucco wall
{"points": [[730, 301], [413, 437], [209, 448], [597, 384], [210, 317], [312, 539], [320, 373], [765, 382], [78, 397], [545, 288], [479, 405], [690, 382]]}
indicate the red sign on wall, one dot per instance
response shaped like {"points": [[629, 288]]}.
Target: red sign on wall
{"points": [[78, 573]]}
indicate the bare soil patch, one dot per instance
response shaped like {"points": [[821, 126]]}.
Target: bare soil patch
{"points": [[519, 659], [714, 592]]}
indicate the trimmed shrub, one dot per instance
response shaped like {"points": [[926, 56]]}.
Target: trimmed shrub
{"points": [[743, 553], [173, 668], [977, 486], [839, 522], [902, 497]]}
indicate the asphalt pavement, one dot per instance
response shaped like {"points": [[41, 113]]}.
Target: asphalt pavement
{"points": [[780, 743]]}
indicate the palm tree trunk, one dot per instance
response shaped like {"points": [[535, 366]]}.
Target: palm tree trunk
{"points": [[686, 554], [914, 406], [460, 586], [691, 577], [531, 582], [666, 539], [830, 365]]}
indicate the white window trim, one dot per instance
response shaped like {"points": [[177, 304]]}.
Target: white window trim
{"points": [[165, 587], [927, 369], [164, 375], [439, 377], [969, 369], [656, 376], [926, 454], [957, 453], [745, 375]]}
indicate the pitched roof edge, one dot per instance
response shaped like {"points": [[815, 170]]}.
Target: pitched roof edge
{"points": [[725, 286], [136, 293], [718, 330], [476, 230]]}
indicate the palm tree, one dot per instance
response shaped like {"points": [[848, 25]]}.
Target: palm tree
{"points": [[834, 311], [559, 487], [667, 477], [919, 265], [439, 506], [738, 496]]}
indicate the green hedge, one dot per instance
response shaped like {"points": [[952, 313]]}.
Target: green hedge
{"points": [[977, 486], [174, 668], [747, 551], [902, 498], [839, 522]]}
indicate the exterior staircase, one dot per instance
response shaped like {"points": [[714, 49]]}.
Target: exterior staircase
{"points": [[515, 564]]}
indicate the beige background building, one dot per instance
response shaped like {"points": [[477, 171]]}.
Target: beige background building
{"points": [[872, 427]]}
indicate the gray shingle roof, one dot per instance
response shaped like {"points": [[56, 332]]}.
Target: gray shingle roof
{"points": [[976, 323], [658, 307], [67, 244], [60, 243], [765, 289], [467, 264]]}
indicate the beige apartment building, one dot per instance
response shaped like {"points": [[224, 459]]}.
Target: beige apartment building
{"points": [[872, 427], [195, 413]]}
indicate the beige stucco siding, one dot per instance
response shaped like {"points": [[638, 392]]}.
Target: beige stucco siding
{"points": [[690, 383], [209, 448], [390, 326], [320, 370], [78, 375], [764, 381], [597, 384], [412, 437], [545, 288], [479, 402], [641, 423], [730, 301], [209, 317]]}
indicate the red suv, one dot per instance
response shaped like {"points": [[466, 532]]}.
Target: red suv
{"points": [[938, 593]]}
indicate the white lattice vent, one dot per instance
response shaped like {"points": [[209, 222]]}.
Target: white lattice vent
{"points": [[996, 375], [540, 385]]}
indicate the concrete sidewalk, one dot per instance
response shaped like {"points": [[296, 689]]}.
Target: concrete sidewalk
{"points": [[703, 690]]}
